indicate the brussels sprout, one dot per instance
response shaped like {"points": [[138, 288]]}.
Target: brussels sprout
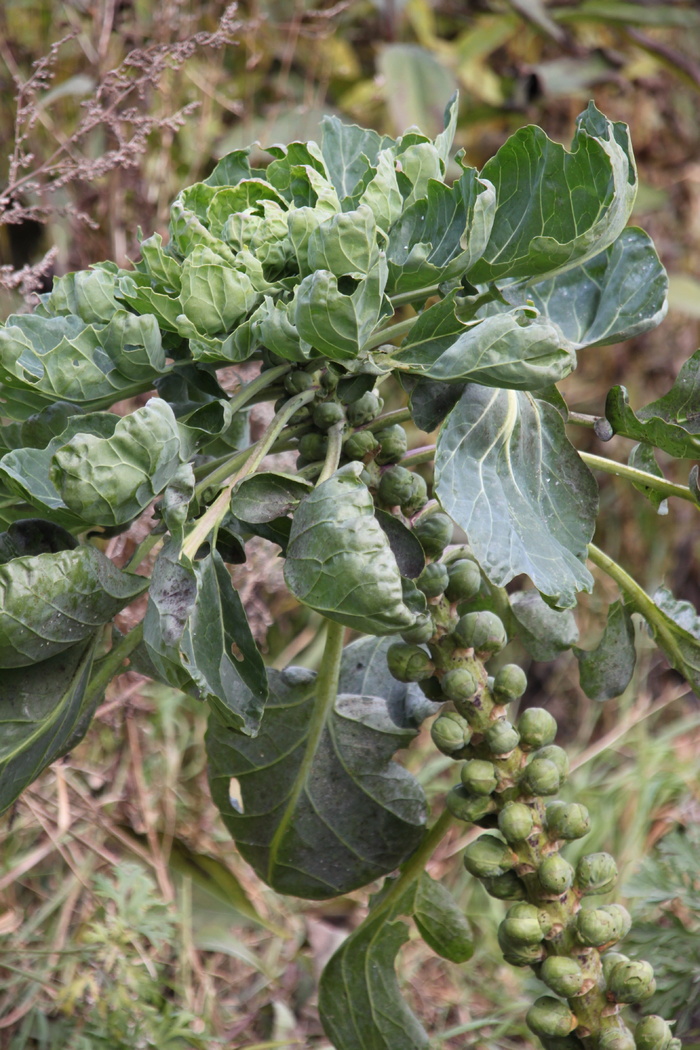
{"points": [[537, 728], [557, 755], [327, 413], [433, 579], [481, 631], [479, 777], [507, 887], [522, 925], [422, 630], [563, 975], [409, 663], [550, 1017], [567, 820], [632, 981], [555, 874], [596, 873], [597, 927], [417, 498], [520, 954], [459, 684], [313, 446], [464, 806], [609, 961], [450, 732], [360, 444], [501, 737], [541, 777], [434, 532], [395, 486], [653, 1033], [509, 684], [393, 444], [295, 382], [464, 580], [488, 857], [329, 380], [515, 822], [616, 1039], [365, 409]]}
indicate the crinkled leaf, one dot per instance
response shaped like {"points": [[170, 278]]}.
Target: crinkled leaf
{"points": [[89, 294], [136, 289], [247, 196], [441, 922], [214, 296], [339, 560], [160, 264], [380, 191], [349, 151], [272, 321], [545, 632], [643, 458], [110, 480], [344, 244], [335, 322], [198, 638], [50, 602], [266, 496], [324, 808], [508, 475], [44, 711], [556, 209], [607, 670]]}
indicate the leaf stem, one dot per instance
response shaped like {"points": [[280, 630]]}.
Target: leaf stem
{"points": [[413, 868], [398, 415], [109, 665], [404, 298], [261, 382], [640, 477], [424, 454], [582, 418], [214, 514], [335, 445], [143, 549], [392, 331]]}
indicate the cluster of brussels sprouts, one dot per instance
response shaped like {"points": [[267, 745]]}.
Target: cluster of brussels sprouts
{"points": [[511, 771]]}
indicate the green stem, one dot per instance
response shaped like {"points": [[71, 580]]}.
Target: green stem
{"points": [[109, 665], [261, 382], [416, 295], [582, 418], [335, 445], [419, 455], [399, 415], [144, 548], [214, 514], [217, 470], [326, 693], [640, 477], [392, 331], [413, 868]]}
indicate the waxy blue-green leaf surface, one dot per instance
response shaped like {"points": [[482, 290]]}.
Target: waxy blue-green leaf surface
{"points": [[339, 560], [545, 632], [335, 322], [324, 809], [268, 495], [606, 670], [507, 474], [349, 152]]}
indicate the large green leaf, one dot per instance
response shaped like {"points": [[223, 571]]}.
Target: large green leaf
{"points": [[555, 208], [441, 922], [545, 632], [199, 640], [335, 322], [675, 626], [50, 602], [267, 495], [507, 474], [339, 560], [110, 480], [214, 296], [345, 244], [324, 807], [44, 712], [89, 294], [607, 670]]}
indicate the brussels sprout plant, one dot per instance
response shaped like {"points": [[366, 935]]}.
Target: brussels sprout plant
{"points": [[351, 271]]}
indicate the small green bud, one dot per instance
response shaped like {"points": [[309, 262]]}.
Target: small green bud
{"points": [[596, 873], [433, 579], [653, 1033], [557, 755], [409, 663], [313, 446], [327, 413], [616, 1039], [509, 684], [522, 925], [555, 875], [520, 954], [464, 806], [395, 486], [609, 961], [479, 777], [567, 820], [507, 887], [598, 927], [515, 822], [329, 379], [488, 857], [464, 580], [481, 631], [450, 732], [550, 1017], [501, 737], [541, 777], [417, 497], [434, 531], [422, 630], [295, 382], [537, 728], [365, 409], [459, 684], [393, 444], [632, 982], [563, 975], [360, 444]]}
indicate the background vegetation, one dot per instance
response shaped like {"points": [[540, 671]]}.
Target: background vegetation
{"points": [[126, 918]]}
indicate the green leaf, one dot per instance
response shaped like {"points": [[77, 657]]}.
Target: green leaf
{"points": [[335, 322], [606, 671], [345, 244], [231, 169], [545, 632], [349, 152], [431, 401], [675, 626], [110, 480], [214, 296], [247, 196], [556, 209], [339, 561], [137, 291], [417, 86], [507, 474], [271, 322], [380, 191], [266, 496], [441, 922], [199, 640], [50, 602], [89, 294], [324, 807], [642, 457], [404, 544], [44, 712], [34, 536]]}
